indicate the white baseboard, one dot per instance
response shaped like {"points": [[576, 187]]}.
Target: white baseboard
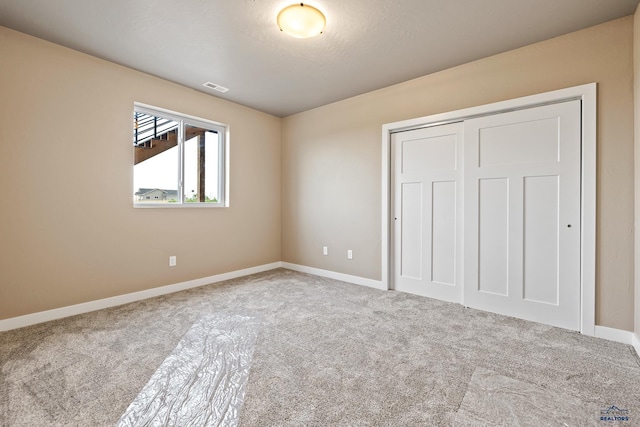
{"points": [[618, 335], [613, 334], [635, 342], [357, 280], [72, 310], [604, 332]]}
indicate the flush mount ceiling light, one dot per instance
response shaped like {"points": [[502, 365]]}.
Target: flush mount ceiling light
{"points": [[301, 21]]}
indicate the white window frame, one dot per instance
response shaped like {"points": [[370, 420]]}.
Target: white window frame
{"points": [[223, 161]]}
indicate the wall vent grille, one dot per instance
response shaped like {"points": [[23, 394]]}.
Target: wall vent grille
{"points": [[215, 87]]}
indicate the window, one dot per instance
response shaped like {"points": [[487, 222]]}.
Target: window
{"points": [[179, 161]]}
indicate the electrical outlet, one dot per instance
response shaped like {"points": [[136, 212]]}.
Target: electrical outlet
{"points": [[325, 250], [172, 261], [349, 254]]}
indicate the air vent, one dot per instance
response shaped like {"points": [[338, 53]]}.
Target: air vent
{"points": [[215, 87]]}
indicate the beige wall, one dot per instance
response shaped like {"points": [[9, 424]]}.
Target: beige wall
{"points": [[331, 155], [68, 229], [636, 93]]}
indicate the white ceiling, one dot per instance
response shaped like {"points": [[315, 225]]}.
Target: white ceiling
{"points": [[367, 44]]}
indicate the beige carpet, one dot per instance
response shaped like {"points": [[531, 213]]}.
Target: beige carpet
{"points": [[326, 353]]}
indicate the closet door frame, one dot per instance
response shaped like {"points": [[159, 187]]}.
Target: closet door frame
{"points": [[587, 95]]}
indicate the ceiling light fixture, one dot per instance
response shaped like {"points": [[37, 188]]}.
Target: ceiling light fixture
{"points": [[301, 21]]}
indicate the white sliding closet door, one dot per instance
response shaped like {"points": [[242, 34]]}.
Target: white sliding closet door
{"points": [[522, 214], [427, 214]]}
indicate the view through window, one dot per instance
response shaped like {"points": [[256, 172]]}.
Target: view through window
{"points": [[178, 160]]}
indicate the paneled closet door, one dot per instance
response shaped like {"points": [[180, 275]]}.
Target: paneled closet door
{"points": [[427, 212], [522, 214]]}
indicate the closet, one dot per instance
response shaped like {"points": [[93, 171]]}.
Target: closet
{"points": [[486, 211]]}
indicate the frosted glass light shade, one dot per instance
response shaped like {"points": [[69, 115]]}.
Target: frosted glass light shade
{"points": [[301, 21]]}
